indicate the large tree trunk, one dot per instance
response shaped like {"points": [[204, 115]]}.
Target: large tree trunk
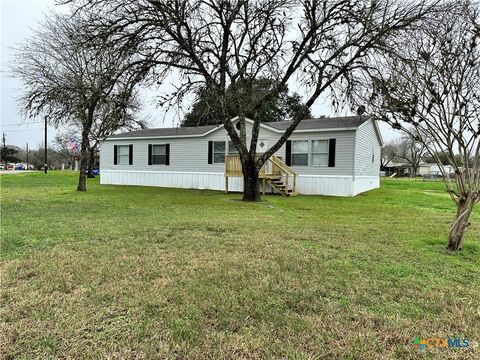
{"points": [[414, 172], [91, 163], [459, 227], [251, 189], [82, 180]]}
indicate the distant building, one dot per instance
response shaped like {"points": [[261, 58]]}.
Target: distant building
{"points": [[403, 169]]}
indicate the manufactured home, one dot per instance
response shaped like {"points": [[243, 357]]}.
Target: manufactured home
{"points": [[337, 156]]}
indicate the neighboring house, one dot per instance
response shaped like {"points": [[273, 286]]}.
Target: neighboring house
{"points": [[396, 167], [424, 169], [329, 156], [434, 169], [402, 169]]}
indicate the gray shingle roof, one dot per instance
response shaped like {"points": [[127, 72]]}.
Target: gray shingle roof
{"points": [[307, 124], [178, 131], [322, 123]]}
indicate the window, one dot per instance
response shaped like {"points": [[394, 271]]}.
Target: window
{"points": [[231, 148], [123, 155], [319, 153], [300, 152], [219, 151], [311, 152], [159, 155]]}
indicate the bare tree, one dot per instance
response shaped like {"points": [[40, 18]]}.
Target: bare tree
{"points": [[70, 77], [412, 151], [110, 118], [389, 152], [430, 89], [66, 144], [213, 45]]}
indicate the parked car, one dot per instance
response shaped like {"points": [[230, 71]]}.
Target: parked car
{"points": [[95, 171]]}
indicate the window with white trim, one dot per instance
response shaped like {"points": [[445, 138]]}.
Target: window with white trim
{"points": [[123, 154], [319, 151], [159, 154], [300, 152], [219, 151]]}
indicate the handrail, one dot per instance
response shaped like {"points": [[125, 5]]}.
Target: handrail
{"points": [[274, 159], [233, 165]]}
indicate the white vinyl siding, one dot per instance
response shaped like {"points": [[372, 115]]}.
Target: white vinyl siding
{"points": [[189, 167], [191, 154], [123, 155], [367, 151]]}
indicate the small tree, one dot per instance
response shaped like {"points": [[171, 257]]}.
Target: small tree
{"points": [[71, 78], [389, 152], [430, 89], [9, 153], [217, 45], [110, 118]]}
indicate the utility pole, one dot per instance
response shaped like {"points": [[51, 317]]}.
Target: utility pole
{"points": [[4, 152], [27, 157], [46, 166]]}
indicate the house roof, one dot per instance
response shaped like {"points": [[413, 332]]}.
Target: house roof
{"points": [[177, 131], [337, 123], [321, 123]]}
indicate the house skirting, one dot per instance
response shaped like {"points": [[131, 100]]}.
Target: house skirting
{"points": [[365, 183], [306, 184]]}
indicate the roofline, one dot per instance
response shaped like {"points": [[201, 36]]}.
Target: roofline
{"points": [[155, 137], [210, 131], [263, 125], [379, 133], [279, 131], [165, 137]]}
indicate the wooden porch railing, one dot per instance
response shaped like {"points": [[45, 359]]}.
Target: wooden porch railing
{"points": [[278, 174]]}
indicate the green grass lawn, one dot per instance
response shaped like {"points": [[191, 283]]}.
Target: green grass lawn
{"points": [[138, 272]]}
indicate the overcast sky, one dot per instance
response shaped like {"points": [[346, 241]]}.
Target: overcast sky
{"points": [[18, 18]]}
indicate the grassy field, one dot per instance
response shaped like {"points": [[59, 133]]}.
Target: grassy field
{"points": [[137, 272]]}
